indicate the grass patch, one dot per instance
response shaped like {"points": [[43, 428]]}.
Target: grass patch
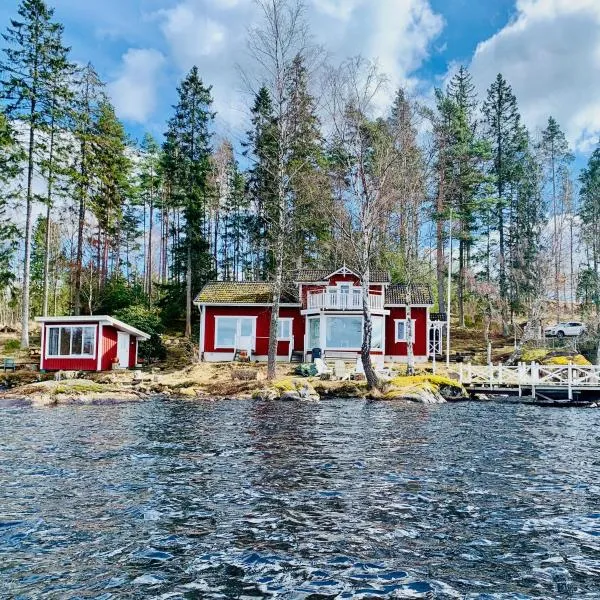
{"points": [[12, 346]]}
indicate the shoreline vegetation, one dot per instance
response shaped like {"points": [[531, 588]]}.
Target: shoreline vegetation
{"points": [[219, 381]]}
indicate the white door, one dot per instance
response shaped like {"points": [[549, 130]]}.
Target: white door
{"points": [[123, 349]]}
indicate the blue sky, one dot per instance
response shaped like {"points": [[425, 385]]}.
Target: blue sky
{"points": [[549, 50]]}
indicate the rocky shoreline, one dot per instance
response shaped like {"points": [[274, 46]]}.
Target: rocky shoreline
{"points": [[224, 383]]}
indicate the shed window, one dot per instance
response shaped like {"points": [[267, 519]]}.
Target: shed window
{"points": [[71, 341]]}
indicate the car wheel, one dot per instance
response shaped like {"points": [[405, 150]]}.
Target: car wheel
{"points": [[560, 334]]}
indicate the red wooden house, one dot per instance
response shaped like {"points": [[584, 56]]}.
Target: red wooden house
{"points": [[88, 343], [321, 309]]}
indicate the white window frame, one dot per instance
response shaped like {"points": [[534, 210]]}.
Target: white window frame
{"points": [[291, 323], [61, 356], [414, 331], [238, 328]]}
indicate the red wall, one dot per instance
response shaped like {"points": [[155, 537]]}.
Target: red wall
{"points": [[263, 323], [399, 349], [67, 364], [109, 346]]}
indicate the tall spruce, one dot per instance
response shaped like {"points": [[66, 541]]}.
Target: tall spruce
{"points": [[11, 156], [588, 288], [32, 55], [190, 133], [505, 135], [261, 150], [89, 94], [305, 168], [467, 154]]}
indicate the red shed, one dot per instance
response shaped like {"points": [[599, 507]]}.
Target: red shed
{"points": [[88, 343]]}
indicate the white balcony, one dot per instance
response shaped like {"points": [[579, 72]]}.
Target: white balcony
{"points": [[342, 301]]}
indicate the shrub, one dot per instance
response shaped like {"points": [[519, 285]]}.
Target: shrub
{"points": [[148, 320], [11, 346]]}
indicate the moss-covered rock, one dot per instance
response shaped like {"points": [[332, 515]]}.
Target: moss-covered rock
{"points": [[425, 389], [549, 357], [287, 390]]}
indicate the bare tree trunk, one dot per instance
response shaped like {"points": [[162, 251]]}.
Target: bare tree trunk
{"points": [[365, 348], [410, 353]]}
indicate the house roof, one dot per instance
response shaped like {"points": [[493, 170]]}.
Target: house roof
{"points": [[313, 275], [101, 319], [243, 292], [398, 294]]}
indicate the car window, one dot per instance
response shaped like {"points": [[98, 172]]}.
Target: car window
{"points": [[574, 324]]}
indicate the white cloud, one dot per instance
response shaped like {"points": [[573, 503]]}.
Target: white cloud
{"points": [[550, 54], [134, 91], [212, 34]]}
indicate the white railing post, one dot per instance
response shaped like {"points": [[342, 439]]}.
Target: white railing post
{"points": [[500, 381], [570, 380], [491, 374], [470, 372], [460, 374]]}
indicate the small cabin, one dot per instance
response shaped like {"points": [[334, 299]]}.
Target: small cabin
{"points": [[88, 343]]}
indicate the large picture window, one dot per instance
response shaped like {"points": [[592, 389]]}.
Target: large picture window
{"points": [[71, 341], [344, 332], [230, 329]]}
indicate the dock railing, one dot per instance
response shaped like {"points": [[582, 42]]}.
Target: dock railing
{"points": [[529, 375]]}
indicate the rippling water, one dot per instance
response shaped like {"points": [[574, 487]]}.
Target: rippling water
{"points": [[343, 499]]}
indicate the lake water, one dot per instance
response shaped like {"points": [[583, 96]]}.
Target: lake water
{"points": [[342, 499]]}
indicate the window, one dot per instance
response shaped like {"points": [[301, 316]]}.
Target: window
{"points": [[284, 329], [344, 332], [229, 329], [71, 341], [401, 329], [377, 333], [314, 333]]}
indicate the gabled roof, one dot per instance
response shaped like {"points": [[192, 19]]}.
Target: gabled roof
{"points": [[243, 292], [102, 319], [398, 294], [315, 275]]}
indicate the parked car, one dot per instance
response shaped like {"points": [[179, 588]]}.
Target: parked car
{"points": [[567, 328]]}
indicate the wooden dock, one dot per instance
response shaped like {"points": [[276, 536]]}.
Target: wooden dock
{"points": [[553, 384]]}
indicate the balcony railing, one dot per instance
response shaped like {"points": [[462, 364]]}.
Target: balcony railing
{"points": [[338, 301]]}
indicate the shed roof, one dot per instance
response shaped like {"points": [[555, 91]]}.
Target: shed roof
{"points": [[419, 294], [243, 292], [101, 319]]}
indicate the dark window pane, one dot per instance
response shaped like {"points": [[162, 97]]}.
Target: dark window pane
{"points": [[76, 340], [65, 341]]}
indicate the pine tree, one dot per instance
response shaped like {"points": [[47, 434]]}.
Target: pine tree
{"points": [[189, 131], [34, 53]]}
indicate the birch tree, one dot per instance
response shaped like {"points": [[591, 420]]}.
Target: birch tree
{"points": [[363, 157], [274, 45]]}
